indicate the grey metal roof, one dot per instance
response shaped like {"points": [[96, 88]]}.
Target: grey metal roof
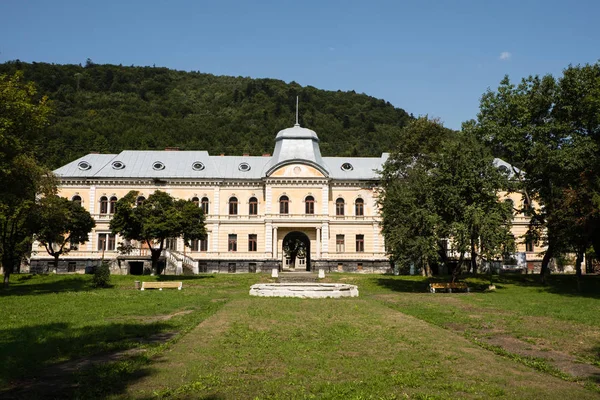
{"points": [[177, 164], [363, 168], [95, 161]]}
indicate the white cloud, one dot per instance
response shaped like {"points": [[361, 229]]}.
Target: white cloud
{"points": [[505, 55]]}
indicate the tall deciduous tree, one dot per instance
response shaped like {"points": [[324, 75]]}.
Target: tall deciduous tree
{"points": [[550, 129], [440, 194], [58, 224], [22, 118], [158, 218]]}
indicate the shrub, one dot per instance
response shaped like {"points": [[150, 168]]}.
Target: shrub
{"points": [[101, 277]]}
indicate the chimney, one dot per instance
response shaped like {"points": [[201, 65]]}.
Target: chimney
{"points": [[266, 155], [222, 154], [246, 154], [94, 152], [171, 148]]}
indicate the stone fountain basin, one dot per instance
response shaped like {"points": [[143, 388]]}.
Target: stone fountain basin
{"points": [[304, 290]]}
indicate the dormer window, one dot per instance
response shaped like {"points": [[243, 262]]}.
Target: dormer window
{"points": [[197, 166], [158, 166], [84, 165], [347, 167], [118, 165], [244, 167]]}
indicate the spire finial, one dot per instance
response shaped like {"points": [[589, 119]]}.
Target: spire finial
{"points": [[297, 124]]}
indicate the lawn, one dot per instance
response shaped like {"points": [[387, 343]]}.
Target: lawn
{"points": [[60, 338]]}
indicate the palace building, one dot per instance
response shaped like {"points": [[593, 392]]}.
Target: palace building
{"points": [[294, 210]]}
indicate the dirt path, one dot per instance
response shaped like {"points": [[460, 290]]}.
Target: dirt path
{"points": [[283, 347]]}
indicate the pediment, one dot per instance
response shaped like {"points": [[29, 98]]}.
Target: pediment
{"points": [[297, 170]]}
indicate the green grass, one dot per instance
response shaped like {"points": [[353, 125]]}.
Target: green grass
{"points": [[394, 341]]}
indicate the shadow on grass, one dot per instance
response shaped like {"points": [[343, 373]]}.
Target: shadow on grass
{"points": [[178, 278], [398, 284], [44, 284], [556, 284], [32, 355]]}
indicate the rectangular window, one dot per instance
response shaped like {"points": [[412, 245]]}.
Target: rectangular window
{"points": [[72, 266], [252, 267], [106, 241], [360, 243], [231, 268], [252, 246], [339, 243], [203, 243], [232, 242], [529, 246], [194, 245], [202, 266], [111, 242]]}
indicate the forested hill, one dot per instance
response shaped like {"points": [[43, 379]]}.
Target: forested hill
{"points": [[109, 108]]}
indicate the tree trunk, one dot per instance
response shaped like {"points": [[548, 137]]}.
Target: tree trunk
{"points": [[578, 262], [56, 262], [6, 271], [155, 254], [473, 257], [545, 261]]}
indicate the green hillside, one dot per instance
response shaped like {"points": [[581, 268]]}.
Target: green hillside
{"points": [[109, 108]]}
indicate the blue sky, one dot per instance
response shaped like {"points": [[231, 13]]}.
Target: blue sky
{"points": [[428, 57]]}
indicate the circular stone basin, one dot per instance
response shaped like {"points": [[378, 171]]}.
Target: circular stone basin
{"points": [[304, 290]]}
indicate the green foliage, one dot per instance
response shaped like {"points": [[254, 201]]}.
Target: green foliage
{"points": [[101, 278], [109, 108], [440, 188], [57, 222], [550, 128], [23, 116], [159, 217]]}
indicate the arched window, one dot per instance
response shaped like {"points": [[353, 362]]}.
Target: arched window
{"points": [[359, 207], [204, 205], [103, 205], [113, 205], [253, 206], [309, 207], [76, 199], [233, 206], [140, 200], [284, 205], [196, 201], [339, 206]]}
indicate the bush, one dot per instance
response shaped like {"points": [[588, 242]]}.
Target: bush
{"points": [[101, 276]]}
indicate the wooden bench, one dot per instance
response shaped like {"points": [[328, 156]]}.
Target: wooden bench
{"points": [[162, 285], [448, 286]]}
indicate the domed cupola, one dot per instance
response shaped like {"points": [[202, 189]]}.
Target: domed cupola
{"points": [[297, 144]]}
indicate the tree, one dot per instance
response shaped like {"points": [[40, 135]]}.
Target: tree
{"points": [[440, 194], [22, 118], [550, 131], [158, 218], [59, 224]]}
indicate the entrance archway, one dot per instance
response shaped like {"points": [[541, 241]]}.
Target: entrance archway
{"points": [[296, 251]]}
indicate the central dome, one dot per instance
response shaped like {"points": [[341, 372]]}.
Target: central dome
{"points": [[297, 132], [297, 144]]}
